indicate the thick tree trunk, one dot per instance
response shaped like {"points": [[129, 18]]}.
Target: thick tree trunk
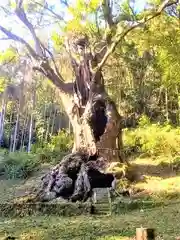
{"points": [[109, 145], [97, 131]]}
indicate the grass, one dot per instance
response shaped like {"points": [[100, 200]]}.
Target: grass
{"points": [[164, 220], [161, 182], [161, 177]]}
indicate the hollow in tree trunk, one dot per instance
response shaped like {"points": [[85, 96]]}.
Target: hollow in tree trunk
{"points": [[94, 117], [97, 134]]}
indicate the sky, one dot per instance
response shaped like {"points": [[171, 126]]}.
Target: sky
{"points": [[16, 26]]}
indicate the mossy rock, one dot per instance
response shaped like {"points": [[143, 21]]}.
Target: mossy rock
{"points": [[130, 171]]}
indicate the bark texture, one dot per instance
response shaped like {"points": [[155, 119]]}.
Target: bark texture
{"points": [[97, 130], [94, 117]]}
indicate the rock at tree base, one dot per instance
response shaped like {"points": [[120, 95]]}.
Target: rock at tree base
{"points": [[69, 178]]}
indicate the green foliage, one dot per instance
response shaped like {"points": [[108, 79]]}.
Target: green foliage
{"points": [[154, 139], [23, 164], [62, 141], [127, 12], [3, 83], [57, 39], [144, 121], [84, 7], [18, 165], [55, 149], [8, 55]]}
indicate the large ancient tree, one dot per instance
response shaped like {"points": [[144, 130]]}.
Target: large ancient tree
{"points": [[94, 117]]}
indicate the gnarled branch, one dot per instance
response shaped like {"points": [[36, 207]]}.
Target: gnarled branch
{"points": [[45, 67], [22, 16], [39, 53], [48, 72], [16, 38]]}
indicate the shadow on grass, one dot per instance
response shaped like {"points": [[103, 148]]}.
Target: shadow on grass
{"points": [[162, 170]]}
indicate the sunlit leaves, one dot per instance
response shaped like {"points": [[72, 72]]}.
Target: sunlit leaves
{"points": [[12, 4], [127, 11], [154, 2], [178, 7], [2, 84], [78, 27], [93, 5], [8, 55], [84, 7], [162, 36], [57, 39], [82, 15], [167, 49]]}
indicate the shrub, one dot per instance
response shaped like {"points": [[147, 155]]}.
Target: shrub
{"points": [[56, 149], [47, 155], [154, 139], [63, 141], [144, 121], [18, 165]]}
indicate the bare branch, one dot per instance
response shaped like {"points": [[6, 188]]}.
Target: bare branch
{"points": [[54, 62], [19, 3], [120, 36], [39, 55], [16, 38], [6, 10], [4, 38], [65, 2], [132, 12], [22, 16], [50, 10], [48, 72]]}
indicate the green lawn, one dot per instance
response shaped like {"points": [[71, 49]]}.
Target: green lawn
{"points": [[161, 183], [164, 219]]}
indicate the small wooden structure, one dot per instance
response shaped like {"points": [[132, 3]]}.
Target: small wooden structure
{"points": [[145, 234]]}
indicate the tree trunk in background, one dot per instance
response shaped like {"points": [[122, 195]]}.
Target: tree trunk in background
{"points": [[31, 118], [10, 124], [30, 133], [53, 120], [48, 125], [44, 127], [2, 119], [167, 108], [16, 130], [24, 130]]}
